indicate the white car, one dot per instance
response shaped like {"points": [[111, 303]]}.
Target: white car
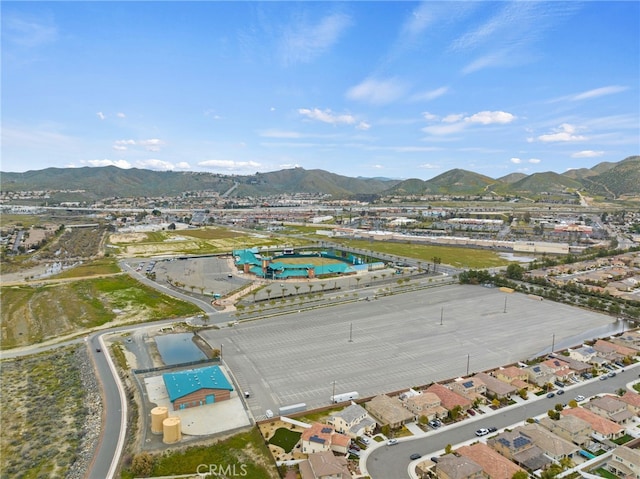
{"points": [[392, 442], [579, 398], [482, 432]]}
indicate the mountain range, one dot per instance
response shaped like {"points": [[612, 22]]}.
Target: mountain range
{"points": [[610, 180]]}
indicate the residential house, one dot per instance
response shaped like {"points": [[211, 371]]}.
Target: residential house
{"points": [[601, 426], [553, 445], [493, 464], [353, 421], [630, 339], [496, 388], [322, 437], [449, 399], [561, 370], [625, 462], [612, 351], [571, 428], [513, 375], [611, 408], [426, 404], [584, 354], [451, 466], [324, 465], [388, 411], [632, 400], [519, 448], [540, 375], [472, 388]]}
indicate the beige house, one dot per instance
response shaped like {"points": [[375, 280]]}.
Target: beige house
{"points": [[601, 426], [553, 446], [322, 437], [324, 465], [625, 462], [571, 428], [426, 404], [451, 466], [513, 375], [496, 388], [471, 388], [519, 448], [584, 354], [353, 421], [388, 411], [611, 408], [632, 400]]}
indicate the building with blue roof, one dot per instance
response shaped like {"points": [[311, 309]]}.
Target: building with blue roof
{"points": [[197, 387]]}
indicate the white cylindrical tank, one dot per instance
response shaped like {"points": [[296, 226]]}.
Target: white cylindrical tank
{"points": [[158, 414], [171, 430]]}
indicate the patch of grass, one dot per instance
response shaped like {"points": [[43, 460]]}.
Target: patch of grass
{"points": [[93, 268], [41, 414], [319, 416], [458, 257], [211, 233], [285, 438], [34, 313], [623, 440], [246, 451], [602, 472]]}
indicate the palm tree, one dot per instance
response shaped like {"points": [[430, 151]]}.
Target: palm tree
{"points": [[268, 290]]}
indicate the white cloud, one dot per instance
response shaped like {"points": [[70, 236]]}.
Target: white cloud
{"points": [[587, 154], [183, 165], [154, 164], [516, 161], [121, 115], [456, 122], [302, 42], [119, 163], [29, 31], [431, 94], [453, 118], [327, 116], [377, 92], [229, 165], [490, 117], [565, 132], [119, 147], [153, 144], [535, 161], [363, 125], [428, 166], [607, 90], [100, 115]]}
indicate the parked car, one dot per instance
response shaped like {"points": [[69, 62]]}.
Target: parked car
{"points": [[550, 395], [365, 440], [353, 452], [435, 459], [471, 412], [268, 413], [415, 456], [435, 424], [603, 377], [392, 442], [354, 446], [98, 350], [492, 429], [482, 432], [579, 398], [560, 392], [611, 374]]}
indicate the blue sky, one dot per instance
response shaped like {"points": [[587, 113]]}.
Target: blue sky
{"points": [[390, 89]]}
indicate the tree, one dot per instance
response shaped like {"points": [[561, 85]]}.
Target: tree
{"points": [[448, 448], [520, 475], [142, 464], [515, 271]]}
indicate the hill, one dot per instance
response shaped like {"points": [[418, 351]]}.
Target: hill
{"points": [[611, 180]]}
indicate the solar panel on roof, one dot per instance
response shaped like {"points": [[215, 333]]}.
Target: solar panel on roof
{"points": [[521, 441], [326, 430], [468, 384]]}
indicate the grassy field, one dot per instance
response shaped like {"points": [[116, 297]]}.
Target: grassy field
{"points": [[244, 452], [98, 267], [197, 241], [458, 257], [35, 313], [42, 414], [285, 438]]}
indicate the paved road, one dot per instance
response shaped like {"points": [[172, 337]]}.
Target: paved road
{"points": [[384, 462]]}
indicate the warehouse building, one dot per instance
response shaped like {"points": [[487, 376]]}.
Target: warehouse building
{"points": [[197, 387]]}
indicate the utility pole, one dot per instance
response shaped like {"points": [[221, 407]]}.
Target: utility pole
{"points": [[350, 332], [505, 304], [553, 342], [441, 314], [467, 364]]}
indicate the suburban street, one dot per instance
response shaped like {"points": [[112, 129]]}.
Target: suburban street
{"points": [[384, 461]]}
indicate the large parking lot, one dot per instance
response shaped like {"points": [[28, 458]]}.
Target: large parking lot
{"points": [[394, 342]]}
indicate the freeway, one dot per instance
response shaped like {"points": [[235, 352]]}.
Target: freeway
{"points": [[383, 462]]}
